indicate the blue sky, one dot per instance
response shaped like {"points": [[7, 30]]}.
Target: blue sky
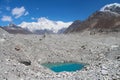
{"points": [[63, 10]]}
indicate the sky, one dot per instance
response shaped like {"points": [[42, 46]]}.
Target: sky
{"points": [[18, 11]]}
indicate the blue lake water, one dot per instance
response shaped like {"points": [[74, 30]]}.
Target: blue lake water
{"points": [[60, 67]]}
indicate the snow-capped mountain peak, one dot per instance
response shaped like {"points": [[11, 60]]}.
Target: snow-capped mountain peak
{"points": [[45, 24], [114, 7]]}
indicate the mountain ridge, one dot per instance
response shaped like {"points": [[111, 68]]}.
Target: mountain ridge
{"points": [[14, 29], [100, 21]]}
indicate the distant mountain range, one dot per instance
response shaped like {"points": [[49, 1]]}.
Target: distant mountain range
{"points": [[42, 26], [105, 20], [14, 29]]}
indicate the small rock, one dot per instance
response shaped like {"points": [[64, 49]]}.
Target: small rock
{"points": [[40, 39], [104, 67], [83, 47], [2, 40], [115, 47], [17, 48], [104, 72], [118, 58], [25, 62]]}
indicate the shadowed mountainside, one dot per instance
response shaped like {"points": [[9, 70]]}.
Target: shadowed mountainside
{"points": [[99, 21]]}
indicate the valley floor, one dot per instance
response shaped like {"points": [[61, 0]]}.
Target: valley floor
{"points": [[22, 56]]}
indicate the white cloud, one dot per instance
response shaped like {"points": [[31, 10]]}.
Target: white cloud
{"points": [[18, 12], [33, 18], [8, 8], [44, 23], [26, 13], [6, 18]]}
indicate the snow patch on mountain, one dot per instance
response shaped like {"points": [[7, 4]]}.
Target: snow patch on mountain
{"points": [[45, 24], [114, 7]]}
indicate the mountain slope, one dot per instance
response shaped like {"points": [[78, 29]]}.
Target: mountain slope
{"points": [[13, 29], [73, 26], [100, 21]]}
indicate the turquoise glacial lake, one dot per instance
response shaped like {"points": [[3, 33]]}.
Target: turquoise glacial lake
{"points": [[68, 66]]}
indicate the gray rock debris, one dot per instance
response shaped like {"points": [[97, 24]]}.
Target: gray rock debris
{"points": [[21, 56]]}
